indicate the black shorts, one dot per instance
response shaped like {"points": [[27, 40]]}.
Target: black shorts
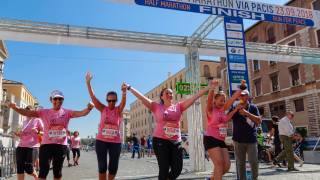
{"points": [[55, 153], [210, 142], [76, 152], [114, 151], [24, 159]]}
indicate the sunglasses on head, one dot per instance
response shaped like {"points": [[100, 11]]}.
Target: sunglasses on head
{"points": [[58, 99], [112, 100]]}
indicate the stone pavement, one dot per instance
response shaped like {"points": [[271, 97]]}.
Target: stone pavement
{"points": [[147, 168]]}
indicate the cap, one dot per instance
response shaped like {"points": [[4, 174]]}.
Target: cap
{"points": [[56, 93], [245, 92]]}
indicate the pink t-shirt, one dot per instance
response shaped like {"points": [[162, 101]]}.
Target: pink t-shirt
{"points": [[29, 133], [167, 121], [55, 125], [109, 129], [217, 124], [75, 142]]}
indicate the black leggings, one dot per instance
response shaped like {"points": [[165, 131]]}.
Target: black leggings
{"points": [[68, 153], [102, 150], [75, 152], [24, 158], [54, 152], [169, 156]]}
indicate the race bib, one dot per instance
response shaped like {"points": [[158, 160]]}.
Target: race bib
{"points": [[223, 130], [57, 132], [171, 130], [110, 131]]}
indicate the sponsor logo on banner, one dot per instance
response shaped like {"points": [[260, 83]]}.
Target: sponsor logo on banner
{"points": [[234, 50], [237, 66], [237, 58], [234, 26], [235, 42], [234, 34]]}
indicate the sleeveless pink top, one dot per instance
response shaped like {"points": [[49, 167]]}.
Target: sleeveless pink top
{"points": [[217, 124], [167, 121], [109, 127]]}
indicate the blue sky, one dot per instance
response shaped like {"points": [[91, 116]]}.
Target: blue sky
{"points": [[43, 68]]}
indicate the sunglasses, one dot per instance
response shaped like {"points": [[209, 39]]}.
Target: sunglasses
{"points": [[58, 99], [111, 100]]}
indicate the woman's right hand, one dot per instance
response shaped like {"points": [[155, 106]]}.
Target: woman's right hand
{"points": [[11, 105], [88, 77], [213, 84]]}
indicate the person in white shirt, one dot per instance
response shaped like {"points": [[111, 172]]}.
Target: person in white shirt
{"points": [[286, 132]]}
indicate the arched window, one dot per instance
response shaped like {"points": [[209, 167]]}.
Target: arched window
{"points": [[206, 71], [271, 38]]}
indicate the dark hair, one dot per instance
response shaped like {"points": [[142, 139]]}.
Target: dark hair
{"points": [[275, 118], [76, 132], [161, 93], [220, 93], [112, 93]]}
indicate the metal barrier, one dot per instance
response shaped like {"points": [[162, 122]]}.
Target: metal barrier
{"points": [[7, 162]]}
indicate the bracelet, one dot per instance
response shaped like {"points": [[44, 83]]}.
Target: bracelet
{"points": [[128, 88]]}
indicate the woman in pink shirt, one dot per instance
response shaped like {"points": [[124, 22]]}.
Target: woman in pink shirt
{"points": [[167, 134], [216, 131], [75, 146], [108, 139], [29, 143], [54, 143]]}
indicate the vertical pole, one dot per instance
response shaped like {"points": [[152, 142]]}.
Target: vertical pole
{"points": [[194, 113]]}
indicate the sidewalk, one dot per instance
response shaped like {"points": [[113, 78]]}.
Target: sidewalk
{"points": [[147, 168]]}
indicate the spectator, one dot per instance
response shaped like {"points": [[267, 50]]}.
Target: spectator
{"points": [[135, 146], [143, 144], [286, 132]]}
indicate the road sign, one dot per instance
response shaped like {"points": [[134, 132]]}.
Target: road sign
{"points": [[186, 87], [242, 9], [236, 52]]}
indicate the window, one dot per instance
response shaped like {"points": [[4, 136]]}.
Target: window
{"points": [[256, 65], [316, 5], [299, 105], [295, 79], [257, 86], [274, 82], [271, 36], [272, 63], [261, 110], [206, 71], [290, 29], [278, 109], [254, 39]]}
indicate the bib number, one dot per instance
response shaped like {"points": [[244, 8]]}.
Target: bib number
{"points": [[110, 132], [171, 131], [223, 131], [57, 133]]}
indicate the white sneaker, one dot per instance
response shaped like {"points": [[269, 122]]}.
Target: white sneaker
{"points": [[301, 163]]}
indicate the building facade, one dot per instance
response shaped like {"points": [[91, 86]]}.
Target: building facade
{"points": [[3, 56], [16, 92], [142, 122], [277, 87], [125, 125]]}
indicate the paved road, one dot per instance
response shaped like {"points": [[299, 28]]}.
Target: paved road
{"points": [[147, 168]]}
